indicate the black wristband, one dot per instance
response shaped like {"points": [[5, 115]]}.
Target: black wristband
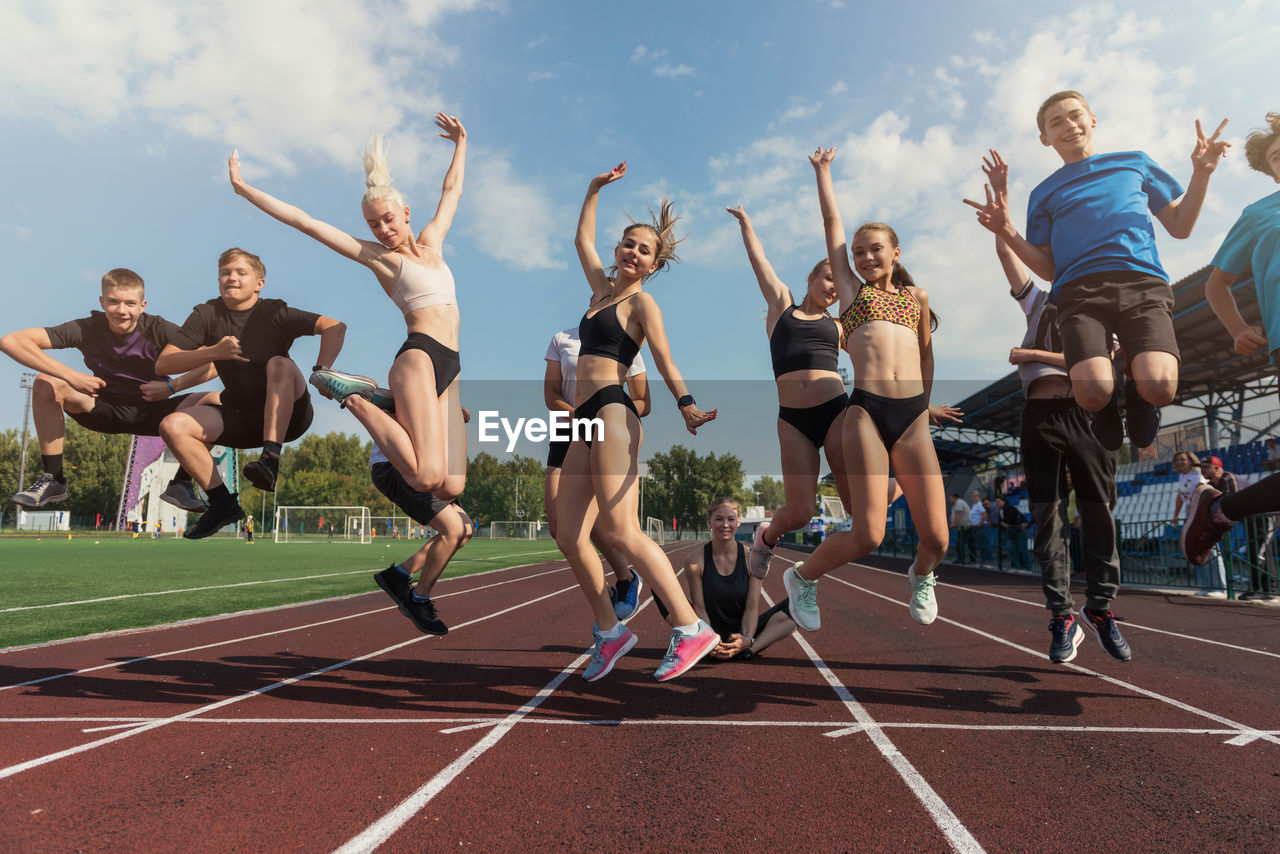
{"points": [[319, 367], [685, 400]]}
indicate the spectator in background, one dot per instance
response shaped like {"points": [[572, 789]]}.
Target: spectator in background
{"points": [[959, 524], [980, 525], [1187, 465], [1272, 462], [1013, 530], [1260, 529], [1000, 484]]}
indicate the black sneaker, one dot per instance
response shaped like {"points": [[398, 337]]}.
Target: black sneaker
{"points": [[1107, 632], [1106, 425], [263, 472], [423, 614], [395, 583], [1067, 636], [182, 494], [46, 490], [214, 519], [1141, 419]]}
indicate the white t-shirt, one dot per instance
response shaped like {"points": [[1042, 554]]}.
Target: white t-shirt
{"points": [[960, 514], [1187, 484], [564, 349]]}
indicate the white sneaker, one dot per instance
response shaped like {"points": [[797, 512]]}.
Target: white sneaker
{"points": [[803, 599], [924, 604]]}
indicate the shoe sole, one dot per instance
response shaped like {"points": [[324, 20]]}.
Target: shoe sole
{"points": [[42, 503], [1097, 634], [256, 477], [786, 584], [1075, 646], [627, 646], [710, 645], [230, 520]]}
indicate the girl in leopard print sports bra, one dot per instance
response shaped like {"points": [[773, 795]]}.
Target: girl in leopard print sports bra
{"points": [[888, 335]]}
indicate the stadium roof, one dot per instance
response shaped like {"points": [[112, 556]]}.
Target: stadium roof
{"points": [[1212, 373]]}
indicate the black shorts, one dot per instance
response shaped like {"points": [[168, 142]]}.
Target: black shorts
{"points": [[814, 421], [242, 427], [140, 419], [444, 361], [602, 398], [556, 452], [421, 507], [1136, 307]]}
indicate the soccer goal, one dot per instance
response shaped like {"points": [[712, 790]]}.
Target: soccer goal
{"points": [[655, 529], [833, 508], [519, 530], [323, 525]]}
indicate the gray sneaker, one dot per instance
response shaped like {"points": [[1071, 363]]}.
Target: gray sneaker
{"points": [[182, 494], [338, 385], [803, 594], [46, 490]]}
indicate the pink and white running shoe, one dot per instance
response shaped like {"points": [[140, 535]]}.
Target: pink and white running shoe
{"points": [[606, 652], [684, 651]]}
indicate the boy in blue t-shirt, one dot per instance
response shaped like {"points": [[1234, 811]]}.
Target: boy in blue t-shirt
{"points": [[1253, 243], [1089, 232]]}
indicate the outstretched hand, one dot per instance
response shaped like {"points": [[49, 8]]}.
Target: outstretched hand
{"points": [[997, 172], [452, 128], [233, 168], [822, 157], [609, 177], [944, 413], [1209, 151], [993, 215], [695, 418], [739, 214]]}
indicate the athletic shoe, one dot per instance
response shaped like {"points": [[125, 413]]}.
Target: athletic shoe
{"points": [[758, 560], [395, 583], [606, 652], [1106, 425], [924, 604], [214, 519], [1141, 418], [182, 494], [627, 596], [422, 612], [340, 386], [384, 400], [804, 599], [263, 472], [1203, 529], [684, 651], [46, 490], [1104, 628], [1067, 636]]}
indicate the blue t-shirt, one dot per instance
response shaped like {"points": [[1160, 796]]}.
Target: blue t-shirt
{"points": [[1094, 215], [1254, 242]]}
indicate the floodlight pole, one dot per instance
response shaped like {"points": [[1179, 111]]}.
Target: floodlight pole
{"points": [[26, 382]]}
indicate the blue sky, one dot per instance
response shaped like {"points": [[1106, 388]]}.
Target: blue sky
{"points": [[118, 118]]}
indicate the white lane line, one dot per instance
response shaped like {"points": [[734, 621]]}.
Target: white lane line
{"points": [[1126, 623], [160, 655], [19, 768], [948, 822], [240, 584], [1239, 728], [381, 830]]}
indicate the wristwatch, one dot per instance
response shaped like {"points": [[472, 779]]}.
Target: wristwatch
{"points": [[684, 400]]}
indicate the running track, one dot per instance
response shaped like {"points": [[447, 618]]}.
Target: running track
{"points": [[335, 726]]}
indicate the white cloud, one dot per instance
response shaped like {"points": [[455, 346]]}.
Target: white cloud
{"points": [[800, 110], [540, 75], [681, 70], [839, 87], [511, 219]]}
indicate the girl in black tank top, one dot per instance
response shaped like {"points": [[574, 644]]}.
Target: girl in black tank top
{"points": [[726, 595], [612, 332]]}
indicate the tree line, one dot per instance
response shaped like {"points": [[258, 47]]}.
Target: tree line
{"points": [[333, 470]]}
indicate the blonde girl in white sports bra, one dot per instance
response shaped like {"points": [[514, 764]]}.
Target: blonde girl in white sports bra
{"points": [[424, 437]]}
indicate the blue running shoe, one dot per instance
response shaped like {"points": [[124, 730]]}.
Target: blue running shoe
{"points": [[627, 597], [339, 386]]}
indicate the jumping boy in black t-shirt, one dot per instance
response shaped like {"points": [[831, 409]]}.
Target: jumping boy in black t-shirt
{"points": [[123, 393], [264, 403]]}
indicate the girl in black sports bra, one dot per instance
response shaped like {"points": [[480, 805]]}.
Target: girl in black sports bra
{"points": [[424, 439], [888, 329], [804, 342], [599, 481]]}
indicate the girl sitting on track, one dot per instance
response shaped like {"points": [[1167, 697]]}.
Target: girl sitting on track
{"points": [[887, 325], [804, 342], [726, 595], [424, 439], [600, 478]]}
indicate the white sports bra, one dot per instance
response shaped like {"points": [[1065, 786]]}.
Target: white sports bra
{"points": [[418, 286]]}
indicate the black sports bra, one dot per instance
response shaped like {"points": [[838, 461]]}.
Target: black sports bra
{"points": [[800, 345], [602, 335]]}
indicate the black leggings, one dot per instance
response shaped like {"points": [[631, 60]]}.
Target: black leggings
{"points": [[1261, 497], [444, 362]]}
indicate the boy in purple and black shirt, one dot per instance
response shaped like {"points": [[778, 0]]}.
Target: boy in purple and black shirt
{"points": [[122, 393], [1090, 233]]}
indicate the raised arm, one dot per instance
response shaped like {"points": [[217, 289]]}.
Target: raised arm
{"points": [[777, 296], [27, 347], [833, 227], [650, 317], [1217, 291], [994, 216], [339, 241], [1179, 216], [435, 231], [585, 239]]}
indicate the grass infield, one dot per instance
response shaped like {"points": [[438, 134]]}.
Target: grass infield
{"points": [[55, 570]]}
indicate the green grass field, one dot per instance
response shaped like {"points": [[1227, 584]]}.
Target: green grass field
{"points": [[55, 570]]}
